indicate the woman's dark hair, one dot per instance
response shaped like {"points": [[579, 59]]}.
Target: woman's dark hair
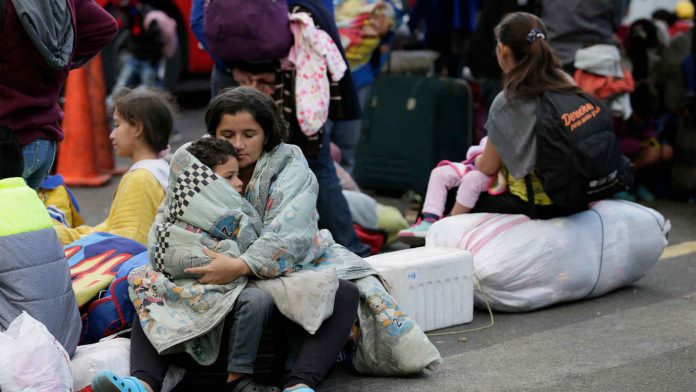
{"points": [[154, 109], [537, 69], [211, 152], [254, 102]]}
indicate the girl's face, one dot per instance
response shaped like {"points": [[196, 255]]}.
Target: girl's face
{"points": [[245, 134], [124, 136]]}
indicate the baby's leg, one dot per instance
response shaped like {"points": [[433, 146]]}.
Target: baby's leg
{"points": [[441, 180], [473, 183]]}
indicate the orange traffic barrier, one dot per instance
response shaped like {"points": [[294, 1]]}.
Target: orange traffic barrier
{"points": [[85, 156]]}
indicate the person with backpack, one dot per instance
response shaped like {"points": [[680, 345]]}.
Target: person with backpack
{"points": [[554, 146], [259, 60], [41, 42]]}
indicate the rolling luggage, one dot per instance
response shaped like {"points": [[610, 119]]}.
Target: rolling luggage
{"points": [[409, 125]]}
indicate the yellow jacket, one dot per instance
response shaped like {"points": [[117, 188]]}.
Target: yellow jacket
{"points": [[132, 212]]}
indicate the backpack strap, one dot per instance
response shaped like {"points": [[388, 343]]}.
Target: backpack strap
{"points": [[530, 196]]}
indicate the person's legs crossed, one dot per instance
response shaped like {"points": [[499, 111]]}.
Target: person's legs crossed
{"points": [[334, 214], [38, 159]]}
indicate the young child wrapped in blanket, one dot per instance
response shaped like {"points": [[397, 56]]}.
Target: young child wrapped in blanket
{"points": [[227, 215]]}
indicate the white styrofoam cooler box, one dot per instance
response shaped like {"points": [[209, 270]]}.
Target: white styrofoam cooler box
{"points": [[433, 285]]}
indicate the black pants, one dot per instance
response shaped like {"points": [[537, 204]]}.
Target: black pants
{"points": [[507, 203], [316, 354]]}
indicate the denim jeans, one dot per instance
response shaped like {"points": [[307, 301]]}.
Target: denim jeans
{"points": [[137, 72], [346, 134], [38, 159], [251, 311], [219, 81], [334, 214]]}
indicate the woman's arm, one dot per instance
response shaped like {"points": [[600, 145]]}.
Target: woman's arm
{"points": [[289, 229], [489, 162]]}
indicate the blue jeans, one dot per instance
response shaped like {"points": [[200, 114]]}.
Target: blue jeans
{"points": [[346, 134], [219, 80], [332, 206], [137, 72], [251, 311], [38, 159]]}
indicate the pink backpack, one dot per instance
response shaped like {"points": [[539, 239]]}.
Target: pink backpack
{"points": [[247, 31]]}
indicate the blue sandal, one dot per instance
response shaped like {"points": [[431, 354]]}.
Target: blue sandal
{"points": [[106, 381]]}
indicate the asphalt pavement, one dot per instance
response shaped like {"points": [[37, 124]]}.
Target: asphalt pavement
{"points": [[639, 338]]}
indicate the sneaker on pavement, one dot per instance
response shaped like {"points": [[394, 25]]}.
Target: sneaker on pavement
{"points": [[415, 235]]}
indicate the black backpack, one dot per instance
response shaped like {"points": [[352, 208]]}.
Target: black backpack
{"points": [[578, 158]]}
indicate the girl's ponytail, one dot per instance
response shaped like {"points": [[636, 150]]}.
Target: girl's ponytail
{"points": [[537, 69]]}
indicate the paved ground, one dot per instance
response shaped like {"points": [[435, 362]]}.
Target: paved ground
{"points": [[640, 338]]}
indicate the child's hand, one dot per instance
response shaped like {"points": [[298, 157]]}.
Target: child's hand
{"points": [[222, 269]]}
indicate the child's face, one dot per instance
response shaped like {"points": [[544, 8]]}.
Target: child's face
{"points": [[124, 136], [230, 172]]}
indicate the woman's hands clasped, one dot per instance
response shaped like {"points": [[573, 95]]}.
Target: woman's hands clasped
{"points": [[222, 269]]}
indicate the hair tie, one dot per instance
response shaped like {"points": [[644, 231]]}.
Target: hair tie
{"points": [[534, 35]]}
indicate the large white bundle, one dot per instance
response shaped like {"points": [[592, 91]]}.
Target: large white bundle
{"points": [[527, 264]]}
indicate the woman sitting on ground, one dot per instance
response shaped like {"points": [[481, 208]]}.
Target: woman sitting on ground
{"points": [[281, 188]]}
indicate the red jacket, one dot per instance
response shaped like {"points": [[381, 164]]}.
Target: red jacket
{"points": [[29, 88], [604, 87]]}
